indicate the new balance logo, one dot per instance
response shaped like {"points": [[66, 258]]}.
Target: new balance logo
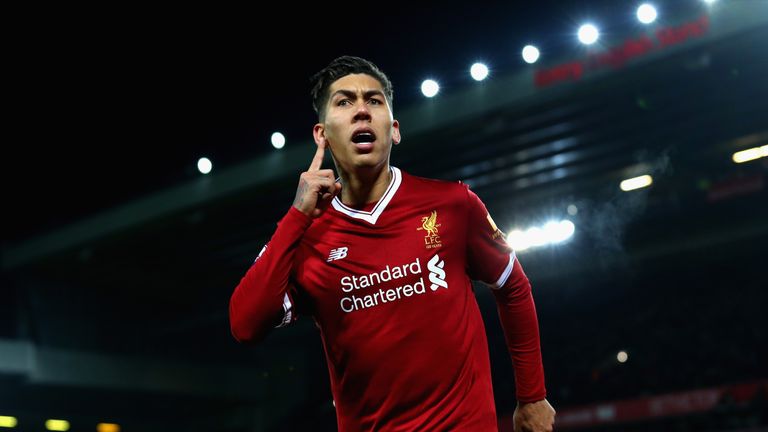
{"points": [[337, 254], [436, 273]]}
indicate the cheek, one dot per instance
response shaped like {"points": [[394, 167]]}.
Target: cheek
{"points": [[332, 129]]}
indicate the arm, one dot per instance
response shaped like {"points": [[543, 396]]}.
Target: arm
{"points": [[517, 313], [257, 304], [263, 295], [491, 260]]}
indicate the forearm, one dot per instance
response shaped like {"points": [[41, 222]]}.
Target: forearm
{"points": [[517, 313], [257, 302]]}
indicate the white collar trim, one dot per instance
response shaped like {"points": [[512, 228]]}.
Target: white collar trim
{"points": [[372, 216]]}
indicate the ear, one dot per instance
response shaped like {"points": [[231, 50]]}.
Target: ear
{"points": [[396, 132], [319, 133]]}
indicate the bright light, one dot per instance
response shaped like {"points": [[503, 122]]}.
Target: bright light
{"points": [[8, 421], [636, 183], [646, 13], [573, 210], [537, 236], [559, 231], [530, 54], [556, 232], [518, 241], [588, 34], [57, 425], [750, 154], [107, 427], [204, 165], [709, 1], [278, 140], [552, 232], [479, 71], [622, 356], [430, 88]]}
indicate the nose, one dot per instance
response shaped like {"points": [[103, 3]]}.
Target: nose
{"points": [[362, 112]]}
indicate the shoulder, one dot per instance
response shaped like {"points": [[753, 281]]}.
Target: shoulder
{"points": [[447, 188]]}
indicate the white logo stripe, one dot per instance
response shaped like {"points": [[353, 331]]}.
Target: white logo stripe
{"points": [[337, 254], [436, 273], [507, 271]]}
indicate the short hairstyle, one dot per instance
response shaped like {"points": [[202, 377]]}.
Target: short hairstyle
{"points": [[338, 68]]}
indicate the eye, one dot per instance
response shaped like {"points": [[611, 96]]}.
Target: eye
{"points": [[343, 102], [375, 102]]}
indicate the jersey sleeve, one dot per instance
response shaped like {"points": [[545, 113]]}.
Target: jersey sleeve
{"points": [[266, 298], [491, 260]]}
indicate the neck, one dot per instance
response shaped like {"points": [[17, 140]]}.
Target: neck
{"points": [[363, 186]]}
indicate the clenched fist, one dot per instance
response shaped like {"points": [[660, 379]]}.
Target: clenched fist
{"points": [[534, 417]]}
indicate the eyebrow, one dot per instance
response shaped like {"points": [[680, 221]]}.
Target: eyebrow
{"points": [[351, 94]]}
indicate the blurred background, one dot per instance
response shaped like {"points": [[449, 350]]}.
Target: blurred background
{"points": [[626, 161]]}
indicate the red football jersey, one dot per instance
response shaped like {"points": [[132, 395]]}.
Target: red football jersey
{"points": [[389, 288]]}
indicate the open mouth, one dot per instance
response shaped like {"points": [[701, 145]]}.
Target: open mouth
{"points": [[363, 137]]}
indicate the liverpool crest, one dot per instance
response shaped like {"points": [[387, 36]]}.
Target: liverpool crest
{"points": [[430, 225]]}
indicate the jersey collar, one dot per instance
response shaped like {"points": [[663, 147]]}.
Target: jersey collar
{"points": [[372, 216]]}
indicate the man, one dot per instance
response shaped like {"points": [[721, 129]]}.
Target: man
{"points": [[382, 261]]}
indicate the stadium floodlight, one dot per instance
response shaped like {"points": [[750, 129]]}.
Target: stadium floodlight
{"points": [[530, 54], [518, 241], [551, 233], [588, 34], [557, 232], [430, 88], [278, 140], [204, 165], [646, 13], [478, 71], [536, 236], [750, 154], [636, 183]]}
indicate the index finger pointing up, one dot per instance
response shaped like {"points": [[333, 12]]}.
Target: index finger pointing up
{"points": [[317, 161]]}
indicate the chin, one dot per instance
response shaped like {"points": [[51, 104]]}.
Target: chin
{"points": [[370, 160]]}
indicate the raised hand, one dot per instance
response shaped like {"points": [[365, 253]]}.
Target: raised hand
{"points": [[316, 187]]}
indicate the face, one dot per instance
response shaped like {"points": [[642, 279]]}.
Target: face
{"points": [[358, 126]]}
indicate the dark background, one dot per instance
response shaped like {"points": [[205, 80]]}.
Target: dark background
{"points": [[119, 257]]}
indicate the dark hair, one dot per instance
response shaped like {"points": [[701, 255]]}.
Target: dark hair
{"points": [[338, 68]]}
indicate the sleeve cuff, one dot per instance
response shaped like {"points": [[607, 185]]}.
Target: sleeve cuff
{"points": [[297, 218]]}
